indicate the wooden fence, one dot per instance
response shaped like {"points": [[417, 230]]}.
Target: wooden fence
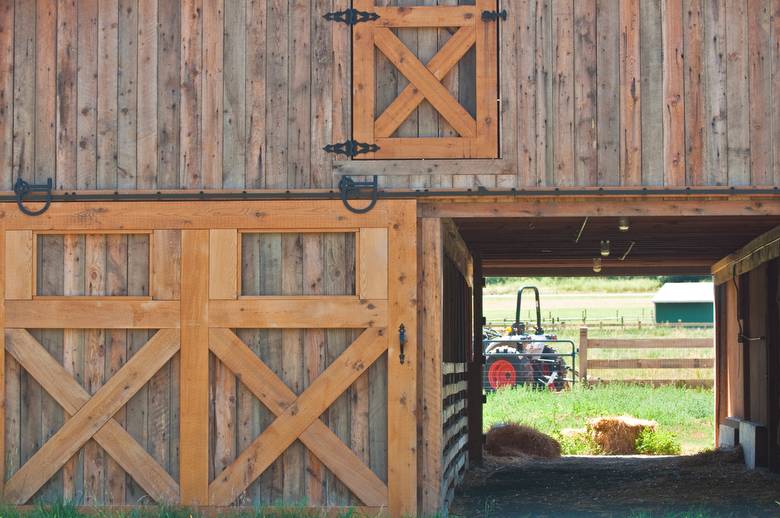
{"points": [[587, 344]]}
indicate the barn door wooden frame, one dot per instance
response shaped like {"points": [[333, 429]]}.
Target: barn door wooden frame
{"points": [[477, 136], [202, 319]]}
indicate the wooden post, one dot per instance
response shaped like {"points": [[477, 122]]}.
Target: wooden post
{"points": [[475, 372], [431, 332], [584, 354], [194, 392]]}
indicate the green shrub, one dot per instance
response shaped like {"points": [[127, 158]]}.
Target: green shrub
{"points": [[657, 442]]}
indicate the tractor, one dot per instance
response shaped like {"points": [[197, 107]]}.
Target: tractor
{"points": [[524, 356]]}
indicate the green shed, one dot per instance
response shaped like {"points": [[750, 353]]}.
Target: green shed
{"points": [[685, 302]]}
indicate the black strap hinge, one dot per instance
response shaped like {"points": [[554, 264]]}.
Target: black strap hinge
{"points": [[351, 16], [351, 148], [493, 16]]}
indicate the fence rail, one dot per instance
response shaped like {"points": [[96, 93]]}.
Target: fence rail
{"points": [[587, 344]]}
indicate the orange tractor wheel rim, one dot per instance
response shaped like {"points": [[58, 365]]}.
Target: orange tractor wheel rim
{"points": [[501, 373]]}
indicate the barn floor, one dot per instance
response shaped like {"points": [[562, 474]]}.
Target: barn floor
{"points": [[697, 486]]}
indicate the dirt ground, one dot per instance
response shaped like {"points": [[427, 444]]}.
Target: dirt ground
{"points": [[713, 484]]}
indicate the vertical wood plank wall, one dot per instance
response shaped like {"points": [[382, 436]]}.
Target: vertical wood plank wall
{"points": [[150, 94]]}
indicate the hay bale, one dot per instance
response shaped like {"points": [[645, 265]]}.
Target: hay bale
{"points": [[618, 435], [516, 440]]}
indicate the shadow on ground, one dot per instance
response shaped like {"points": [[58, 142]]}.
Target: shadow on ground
{"points": [[710, 484]]}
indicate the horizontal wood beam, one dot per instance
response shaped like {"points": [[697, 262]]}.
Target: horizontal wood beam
{"points": [[581, 205], [83, 313], [140, 216], [298, 313], [553, 266], [760, 250], [652, 343], [425, 16], [652, 363]]}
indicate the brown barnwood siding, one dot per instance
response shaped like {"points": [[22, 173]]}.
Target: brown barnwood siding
{"points": [[145, 94]]}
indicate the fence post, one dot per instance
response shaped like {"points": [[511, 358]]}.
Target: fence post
{"points": [[583, 354]]}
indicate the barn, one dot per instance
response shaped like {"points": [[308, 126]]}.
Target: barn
{"points": [[244, 241], [688, 302]]}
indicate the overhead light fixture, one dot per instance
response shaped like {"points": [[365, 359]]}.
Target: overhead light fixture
{"points": [[623, 224], [597, 264], [604, 248]]}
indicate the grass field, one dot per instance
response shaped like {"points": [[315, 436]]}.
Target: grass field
{"points": [[688, 413]]}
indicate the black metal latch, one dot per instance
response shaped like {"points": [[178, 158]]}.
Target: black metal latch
{"points": [[348, 188], [493, 16], [402, 343], [350, 16], [351, 148], [22, 188]]}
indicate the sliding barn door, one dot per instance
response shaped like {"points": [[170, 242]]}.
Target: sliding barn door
{"points": [[211, 353]]}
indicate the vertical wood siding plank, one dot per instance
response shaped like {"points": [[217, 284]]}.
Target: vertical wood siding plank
{"points": [[341, 75], [674, 94], [510, 78], [191, 95], [630, 87], [363, 80], [314, 350], [372, 263], [6, 93], [292, 364], [146, 98], [194, 360], [277, 72], [525, 121], [299, 96], [95, 362], [385, 86], [116, 285], [223, 264], [169, 93], [563, 92], [234, 143], [544, 115], [694, 99], [608, 106], [223, 284], [335, 282], [166, 257], [127, 101], [322, 68], [211, 109], [67, 107], [760, 77], [487, 82], [45, 89], [19, 264], [427, 116], [24, 93], [256, 89], [585, 96], [738, 102], [86, 80], [108, 12], [715, 137], [651, 66], [50, 266], [73, 349]]}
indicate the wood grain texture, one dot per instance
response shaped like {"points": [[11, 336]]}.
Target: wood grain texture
{"points": [[760, 81], [738, 102], [194, 362], [694, 94], [630, 97], [19, 264], [651, 72], [7, 92], [223, 264], [674, 93]]}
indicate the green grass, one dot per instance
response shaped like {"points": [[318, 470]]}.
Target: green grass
{"points": [[685, 412], [507, 285]]}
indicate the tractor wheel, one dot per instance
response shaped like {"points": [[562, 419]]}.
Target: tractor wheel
{"points": [[501, 371]]}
